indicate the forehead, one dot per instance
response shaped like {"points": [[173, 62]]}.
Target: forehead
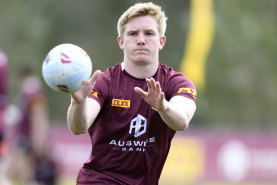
{"points": [[142, 23]]}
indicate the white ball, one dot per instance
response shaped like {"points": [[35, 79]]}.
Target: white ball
{"points": [[65, 67]]}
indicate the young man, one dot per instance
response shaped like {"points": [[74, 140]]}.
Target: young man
{"points": [[132, 110]]}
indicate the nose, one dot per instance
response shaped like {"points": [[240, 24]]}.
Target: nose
{"points": [[140, 39]]}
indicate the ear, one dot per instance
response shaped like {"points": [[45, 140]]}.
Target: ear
{"points": [[162, 42], [120, 42]]}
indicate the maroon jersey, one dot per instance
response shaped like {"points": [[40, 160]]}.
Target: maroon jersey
{"points": [[130, 141], [3, 88]]}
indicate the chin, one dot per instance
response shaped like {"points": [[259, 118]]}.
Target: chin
{"points": [[142, 60]]}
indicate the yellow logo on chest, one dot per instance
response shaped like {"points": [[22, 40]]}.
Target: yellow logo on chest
{"points": [[121, 103]]}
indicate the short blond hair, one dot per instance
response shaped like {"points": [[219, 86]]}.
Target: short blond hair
{"points": [[143, 9]]}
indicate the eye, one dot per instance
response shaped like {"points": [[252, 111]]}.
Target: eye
{"points": [[149, 33], [132, 33]]}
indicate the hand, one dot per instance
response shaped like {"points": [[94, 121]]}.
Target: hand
{"points": [[154, 96], [81, 95]]}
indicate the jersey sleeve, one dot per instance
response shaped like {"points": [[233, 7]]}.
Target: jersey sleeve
{"points": [[180, 85], [100, 90]]}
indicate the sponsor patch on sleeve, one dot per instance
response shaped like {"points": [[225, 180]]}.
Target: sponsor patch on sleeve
{"points": [[94, 93], [188, 90]]}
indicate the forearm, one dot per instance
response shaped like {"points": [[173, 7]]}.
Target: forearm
{"points": [[77, 118], [177, 112], [174, 117]]}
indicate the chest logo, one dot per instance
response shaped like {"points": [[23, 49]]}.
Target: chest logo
{"points": [[121, 103], [138, 124]]}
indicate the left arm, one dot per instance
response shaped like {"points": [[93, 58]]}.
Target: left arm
{"points": [[176, 113]]}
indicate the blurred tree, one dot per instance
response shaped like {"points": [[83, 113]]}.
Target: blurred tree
{"points": [[241, 75]]}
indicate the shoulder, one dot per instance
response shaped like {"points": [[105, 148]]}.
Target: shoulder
{"points": [[164, 69], [110, 72], [104, 82], [176, 83], [173, 76], [169, 72]]}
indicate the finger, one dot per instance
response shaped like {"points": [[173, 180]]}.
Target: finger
{"points": [[80, 95], [151, 83], [158, 87], [95, 76], [92, 79], [162, 96], [140, 92], [148, 83]]}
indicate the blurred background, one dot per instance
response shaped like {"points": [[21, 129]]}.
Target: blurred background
{"points": [[227, 48]]}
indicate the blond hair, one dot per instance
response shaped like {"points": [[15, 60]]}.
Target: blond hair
{"points": [[143, 9]]}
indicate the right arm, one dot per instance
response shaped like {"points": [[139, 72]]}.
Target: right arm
{"points": [[82, 110], [80, 116]]}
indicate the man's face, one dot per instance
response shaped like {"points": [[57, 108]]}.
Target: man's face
{"points": [[141, 41]]}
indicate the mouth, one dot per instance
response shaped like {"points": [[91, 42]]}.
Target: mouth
{"points": [[141, 50]]}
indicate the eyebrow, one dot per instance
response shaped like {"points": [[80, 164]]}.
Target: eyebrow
{"points": [[147, 30]]}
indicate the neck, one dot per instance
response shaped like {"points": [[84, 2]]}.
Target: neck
{"points": [[141, 71]]}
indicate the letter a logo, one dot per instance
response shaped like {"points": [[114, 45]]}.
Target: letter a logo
{"points": [[139, 124]]}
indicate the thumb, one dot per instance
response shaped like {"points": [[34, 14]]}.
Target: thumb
{"points": [[92, 79], [95, 76]]}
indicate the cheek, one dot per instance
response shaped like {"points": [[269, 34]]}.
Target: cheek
{"points": [[157, 46], [127, 45]]}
